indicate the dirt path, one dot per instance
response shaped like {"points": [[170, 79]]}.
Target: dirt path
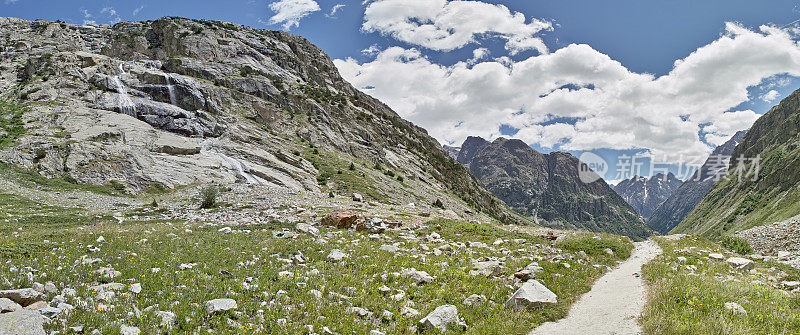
{"points": [[613, 304]]}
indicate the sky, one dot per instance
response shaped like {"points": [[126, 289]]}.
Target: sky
{"points": [[663, 79]]}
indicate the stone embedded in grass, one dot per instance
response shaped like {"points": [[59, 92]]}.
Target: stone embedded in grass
{"points": [[529, 271], [108, 287], [487, 268], [682, 259], [225, 230], [791, 284], [735, 308], [741, 264], [440, 318], [23, 322], [389, 248], [340, 219], [409, 312], [474, 300], [108, 273], [360, 312], [531, 295], [136, 288], [129, 330], [336, 256], [217, 306], [420, 276], [24, 296], [608, 251], [716, 256], [101, 239], [50, 288], [307, 229], [168, 319]]}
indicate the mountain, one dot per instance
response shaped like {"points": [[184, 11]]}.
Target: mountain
{"points": [[547, 187], [452, 151], [646, 194], [670, 213], [172, 102], [772, 149]]}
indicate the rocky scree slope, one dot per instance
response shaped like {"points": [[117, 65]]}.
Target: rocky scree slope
{"points": [[548, 187], [736, 204], [172, 102], [672, 211], [645, 194]]}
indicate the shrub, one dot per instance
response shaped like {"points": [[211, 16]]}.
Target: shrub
{"points": [[352, 167], [208, 196], [400, 178], [438, 204], [154, 204], [736, 244]]}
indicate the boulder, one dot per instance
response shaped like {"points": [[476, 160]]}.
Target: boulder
{"points": [[531, 295], [716, 256], [24, 296], [440, 318], [7, 305], [22, 322], [742, 264], [336, 256], [735, 308], [339, 219], [306, 228], [529, 271], [217, 306], [488, 268]]}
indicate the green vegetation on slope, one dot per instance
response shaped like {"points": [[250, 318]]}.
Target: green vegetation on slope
{"points": [[11, 125], [686, 301]]}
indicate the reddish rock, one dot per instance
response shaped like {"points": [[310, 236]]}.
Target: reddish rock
{"points": [[339, 219], [37, 306]]}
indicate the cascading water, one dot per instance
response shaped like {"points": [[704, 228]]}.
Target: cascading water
{"points": [[124, 101], [171, 88]]}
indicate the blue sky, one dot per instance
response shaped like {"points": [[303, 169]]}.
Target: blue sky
{"points": [[592, 75]]}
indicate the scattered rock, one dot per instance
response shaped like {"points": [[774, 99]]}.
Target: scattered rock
{"points": [[716, 256], [225, 230], [389, 248], [488, 268], [136, 288], [336, 256], [340, 219], [474, 300], [307, 229], [129, 330], [7, 305], [22, 322], [24, 297], [217, 306], [419, 276], [531, 295], [358, 197], [168, 319], [529, 271], [440, 318], [741, 264], [735, 308]]}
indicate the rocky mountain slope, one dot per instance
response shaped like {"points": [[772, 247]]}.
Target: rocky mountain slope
{"points": [[670, 213], [772, 148], [547, 187], [155, 105], [646, 194]]}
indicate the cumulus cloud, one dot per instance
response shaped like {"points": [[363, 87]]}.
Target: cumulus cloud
{"points": [[289, 12], [447, 25], [770, 96], [577, 98]]}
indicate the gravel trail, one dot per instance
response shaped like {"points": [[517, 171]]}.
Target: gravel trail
{"points": [[614, 303]]}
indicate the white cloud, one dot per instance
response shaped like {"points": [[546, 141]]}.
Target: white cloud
{"points": [[289, 12], [608, 105], [477, 55], [335, 9], [372, 50], [114, 18], [10, 2], [138, 10], [447, 25], [770, 96]]}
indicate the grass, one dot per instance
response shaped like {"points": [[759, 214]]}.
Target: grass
{"points": [[31, 178], [337, 175], [685, 303], [11, 124], [248, 267]]}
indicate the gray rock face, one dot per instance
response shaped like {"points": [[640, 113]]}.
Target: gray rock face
{"points": [[228, 95], [22, 322], [531, 295], [672, 210], [440, 318], [548, 187], [217, 306], [24, 297]]}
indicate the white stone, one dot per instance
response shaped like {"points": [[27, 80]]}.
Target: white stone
{"points": [[531, 295], [219, 305]]}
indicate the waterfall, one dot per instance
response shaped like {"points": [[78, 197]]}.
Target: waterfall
{"points": [[171, 89], [124, 101]]}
